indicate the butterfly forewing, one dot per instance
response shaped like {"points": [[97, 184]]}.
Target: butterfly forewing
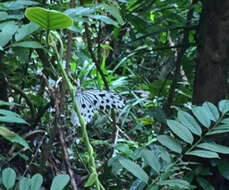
{"points": [[90, 101]]}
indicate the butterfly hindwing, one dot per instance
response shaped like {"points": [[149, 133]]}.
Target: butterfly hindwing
{"points": [[90, 101]]}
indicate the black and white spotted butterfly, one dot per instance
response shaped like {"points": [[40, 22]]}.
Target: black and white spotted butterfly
{"points": [[90, 101]]}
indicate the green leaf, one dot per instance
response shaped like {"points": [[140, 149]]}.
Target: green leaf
{"points": [[113, 11], [219, 129], [91, 180], [151, 160], [188, 121], [203, 153], [10, 117], [224, 106], [19, 4], [8, 29], [13, 137], [214, 147], [170, 143], [211, 111], [59, 182], [135, 169], [79, 11], [225, 121], [204, 184], [36, 182], [203, 116], [3, 16], [180, 131], [28, 44], [104, 19], [48, 19], [24, 184], [223, 167], [179, 183], [8, 177], [6, 132], [26, 30]]}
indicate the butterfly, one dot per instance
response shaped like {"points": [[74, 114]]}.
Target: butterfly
{"points": [[90, 101]]}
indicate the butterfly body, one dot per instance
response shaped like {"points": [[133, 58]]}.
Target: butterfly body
{"points": [[90, 101]]}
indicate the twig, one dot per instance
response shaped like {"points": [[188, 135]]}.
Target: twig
{"points": [[34, 156], [30, 104]]}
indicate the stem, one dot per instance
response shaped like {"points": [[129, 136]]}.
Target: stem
{"points": [[72, 90]]}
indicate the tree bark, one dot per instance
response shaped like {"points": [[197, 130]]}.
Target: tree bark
{"points": [[213, 53], [212, 65]]}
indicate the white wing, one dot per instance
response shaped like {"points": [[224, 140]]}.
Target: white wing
{"points": [[90, 101]]}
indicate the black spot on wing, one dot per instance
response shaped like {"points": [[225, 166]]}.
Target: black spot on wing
{"points": [[102, 95], [83, 105]]}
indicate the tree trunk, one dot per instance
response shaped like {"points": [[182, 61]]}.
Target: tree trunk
{"points": [[212, 67], [213, 53]]}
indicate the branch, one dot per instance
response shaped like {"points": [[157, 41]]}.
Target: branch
{"points": [[180, 55], [30, 104]]}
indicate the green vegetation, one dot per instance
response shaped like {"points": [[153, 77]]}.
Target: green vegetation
{"points": [[167, 59]]}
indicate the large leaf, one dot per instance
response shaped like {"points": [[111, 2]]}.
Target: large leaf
{"points": [[170, 143], [211, 111], [203, 153], [59, 182], [8, 29], [19, 4], [180, 131], [10, 117], [36, 182], [28, 44], [219, 129], [48, 19], [25, 30], [91, 180], [151, 160], [214, 147], [8, 178], [24, 184], [224, 106], [203, 116], [79, 11], [104, 19], [13, 137], [135, 169], [188, 121], [113, 11], [179, 183]]}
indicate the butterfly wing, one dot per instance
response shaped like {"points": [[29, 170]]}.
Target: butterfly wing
{"points": [[86, 108], [107, 100], [90, 101]]}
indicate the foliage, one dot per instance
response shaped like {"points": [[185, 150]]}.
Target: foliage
{"points": [[8, 181], [131, 47], [162, 165]]}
